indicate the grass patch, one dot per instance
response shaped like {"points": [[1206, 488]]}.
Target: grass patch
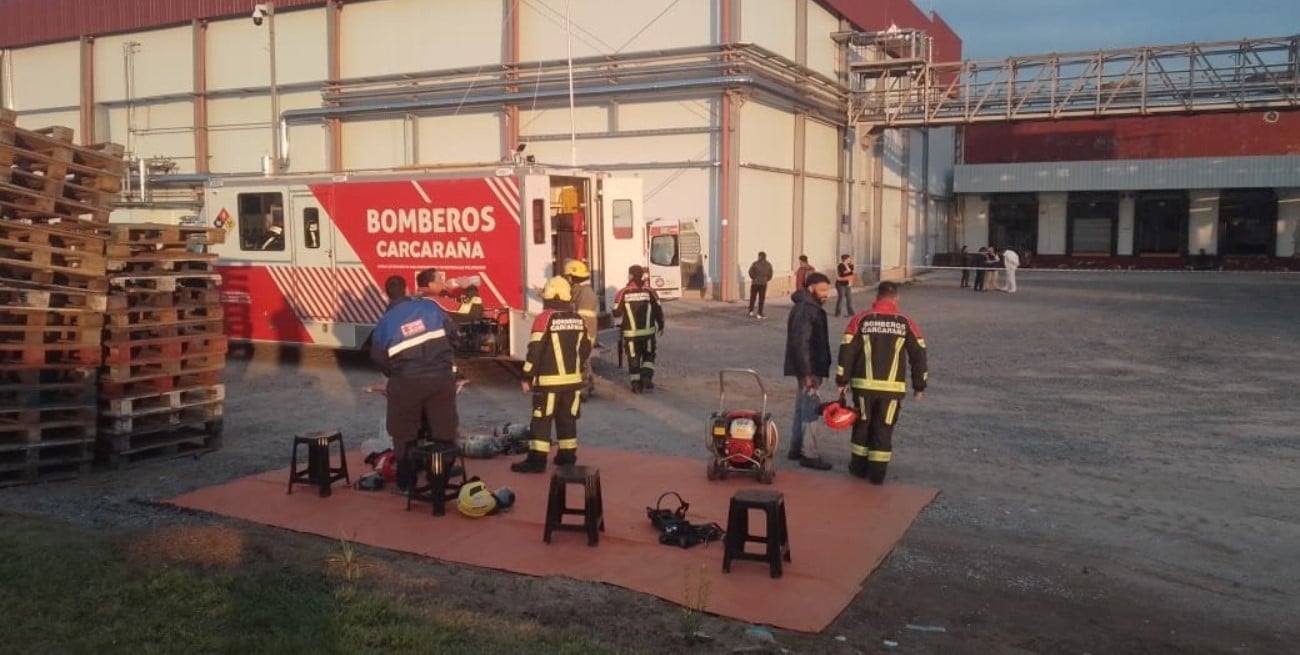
{"points": [[69, 591]]}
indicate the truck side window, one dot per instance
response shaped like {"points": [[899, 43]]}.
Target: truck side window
{"points": [[622, 219], [261, 221], [311, 227]]}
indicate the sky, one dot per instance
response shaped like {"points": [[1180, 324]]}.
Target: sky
{"points": [[1003, 28]]}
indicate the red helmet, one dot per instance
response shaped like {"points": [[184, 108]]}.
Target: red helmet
{"points": [[839, 416]]}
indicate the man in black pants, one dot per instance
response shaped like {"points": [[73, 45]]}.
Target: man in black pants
{"points": [[844, 286], [877, 347], [977, 261], [760, 273], [964, 262], [412, 345]]}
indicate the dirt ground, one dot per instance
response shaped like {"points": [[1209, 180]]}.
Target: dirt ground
{"points": [[1117, 455]]}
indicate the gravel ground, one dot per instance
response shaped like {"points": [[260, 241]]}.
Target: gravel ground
{"points": [[1104, 443]]}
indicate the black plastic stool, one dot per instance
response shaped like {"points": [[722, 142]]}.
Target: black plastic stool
{"points": [[318, 471], [593, 506], [776, 538], [437, 461]]}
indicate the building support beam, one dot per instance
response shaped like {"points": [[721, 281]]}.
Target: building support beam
{"points": [[334, 57], [730, 280], [510, 59], [87, 108], [796, 211], [201, 135]]}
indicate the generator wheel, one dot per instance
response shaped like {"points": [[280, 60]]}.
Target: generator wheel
{"points": [[712, 470], [767, 472]]}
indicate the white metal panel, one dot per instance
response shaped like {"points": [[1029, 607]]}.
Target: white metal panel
{"points": [[1131, 174], [822, 150], [309, 150], [238, 51], [665, 115], [626, 150], [374, 144], [36, 120], [163, 64], [975, 223], [769, 23], [1051, 223], [166, 130], [464, 138], [684, 194], [240, 132], [1124, 234], [403, 36], [558, 121], [1288, 222], [766, 136], [916, 145], [893, 149], [823, 54], [821, 223], [600, 27], [47, 76], [1203, 221], [891, 233], [765, 221], [916, 233], [943, 157]]}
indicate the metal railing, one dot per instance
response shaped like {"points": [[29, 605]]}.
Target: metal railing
{"points": [[894, 85]]}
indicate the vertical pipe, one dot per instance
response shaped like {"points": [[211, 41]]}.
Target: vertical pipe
{"points": [[275, 95], [510, 57], [334, 41], [728, 263], [797, 217], [573, 119], [87, 109], [201, 164]]}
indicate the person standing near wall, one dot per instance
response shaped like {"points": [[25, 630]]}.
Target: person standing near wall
{"points": [[964, 262], [808, 360], [760, 273], [801, 273], [844, 285], [1010, 262]]}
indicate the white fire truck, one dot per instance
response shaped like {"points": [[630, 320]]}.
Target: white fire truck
{"points": [[306, 257]]}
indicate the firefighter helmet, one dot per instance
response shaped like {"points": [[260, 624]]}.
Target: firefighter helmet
{"points": [[576, 268], [475, 499], [839, 416], [505, 497], [557, 288]]}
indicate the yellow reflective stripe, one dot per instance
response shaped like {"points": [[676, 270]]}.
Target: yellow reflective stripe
{"points": [[639, 332], [636, 376], [528, 366], [567, 444], [550, 404], [537, 413], [589, 313], [866, 354], [631, 348], [846, 339], [539, 446], [577, 404], [898, 350], [921, 341], [649, 365], [556, 380], [839, 371], [537, 336], [860, 451], [558, 353], [878, 455], [889, 413], [879, 385]]}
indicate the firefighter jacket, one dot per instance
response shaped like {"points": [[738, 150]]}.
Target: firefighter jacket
{"points": [[413, 339], [585, 301], [557, 351], [640, 311], [877, 347]]}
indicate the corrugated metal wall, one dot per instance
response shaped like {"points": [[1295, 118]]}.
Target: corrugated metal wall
{"points": [[1130, 175], [27, 22]]}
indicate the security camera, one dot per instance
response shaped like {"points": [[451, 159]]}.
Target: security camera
{"points": [[260, 12]]}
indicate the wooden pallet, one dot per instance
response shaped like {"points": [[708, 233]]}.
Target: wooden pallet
{"points": [[49, 394], [110, 389], [148, 368], [117, 353], [165, 443], [26, 204], [157, 236], [51, 248], [28, 277], [148, 316], [137, 299], [133, 333], [102, 157], [45, 461], [25, 295], [156, 420], [56, 355], [168, 282], [163, 263], [58, 164], [30, 433], [44, 326], [174, 399], [48, 414]]}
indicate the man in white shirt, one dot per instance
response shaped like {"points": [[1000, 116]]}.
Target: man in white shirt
{"points": [[1010, 261]]}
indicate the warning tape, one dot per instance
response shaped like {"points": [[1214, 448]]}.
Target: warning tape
{"points": [[1023, 269]]}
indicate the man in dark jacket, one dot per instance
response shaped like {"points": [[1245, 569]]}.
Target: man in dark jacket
{"points": [[760, 273], [412, 345], [807, 357]]}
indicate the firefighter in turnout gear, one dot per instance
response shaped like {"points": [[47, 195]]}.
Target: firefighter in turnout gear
{"points": [[877, 348], [585, 302], [642, 319], [557, 351]]}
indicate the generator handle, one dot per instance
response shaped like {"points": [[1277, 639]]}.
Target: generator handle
{"points": [[722, 386]]}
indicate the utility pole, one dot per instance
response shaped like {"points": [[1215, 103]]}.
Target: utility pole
{"points": [[266, 11]]}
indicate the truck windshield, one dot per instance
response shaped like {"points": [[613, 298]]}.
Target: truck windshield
{"points": [[663, 250]]}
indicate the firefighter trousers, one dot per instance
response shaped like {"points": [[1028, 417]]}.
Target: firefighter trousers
{"points": [[561, 408], [640, 361], [872, 441]]}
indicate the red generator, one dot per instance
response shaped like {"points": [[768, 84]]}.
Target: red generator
{"points": [[742, 440]]}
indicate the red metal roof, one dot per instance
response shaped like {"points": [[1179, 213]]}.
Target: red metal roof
{"points": [[28, 22]]}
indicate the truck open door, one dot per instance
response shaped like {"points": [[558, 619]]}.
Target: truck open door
{"points": [[665, 257], [622, 235]]}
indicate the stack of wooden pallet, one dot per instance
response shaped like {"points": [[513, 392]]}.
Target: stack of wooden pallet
{"points": [[164, 351], [54, 204]]}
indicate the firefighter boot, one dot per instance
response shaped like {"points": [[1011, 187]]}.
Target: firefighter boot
{"points": [[876, 472], [535, 462], [636, 386], [566, 456], [858, 466], [648, 379]]}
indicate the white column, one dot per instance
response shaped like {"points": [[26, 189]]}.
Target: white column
{"points": [[1052, 223], [1127, 210], [1288, 222], [975, 222], [1203, 222]]}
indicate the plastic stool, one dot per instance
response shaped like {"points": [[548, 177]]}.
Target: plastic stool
{"points": [[318, 471], [593, 506], [437, 461], [776, 538]]}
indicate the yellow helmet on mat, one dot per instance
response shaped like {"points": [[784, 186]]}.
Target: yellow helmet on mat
{"points": [[475, 500], [576, 268], [557, 288]]}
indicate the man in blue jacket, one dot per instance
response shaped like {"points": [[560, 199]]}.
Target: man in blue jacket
{"points": [[412, 345], [807, 358]]}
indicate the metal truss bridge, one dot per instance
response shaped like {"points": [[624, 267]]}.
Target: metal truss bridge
{"points": [[894, 83]]}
